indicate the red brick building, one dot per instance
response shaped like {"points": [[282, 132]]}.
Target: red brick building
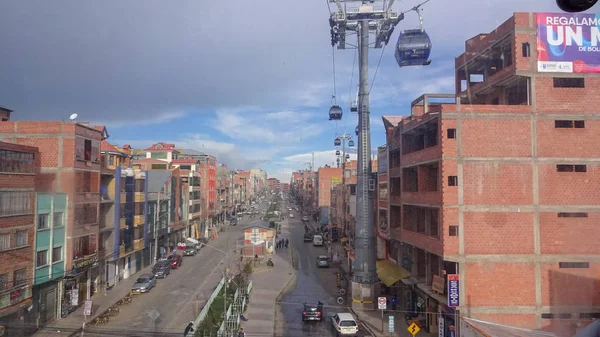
{"points": [[17, 233], [500, 188], [69, 163], [327, 178]]}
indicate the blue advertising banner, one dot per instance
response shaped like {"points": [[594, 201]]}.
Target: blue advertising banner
{"points": [[453, 290]]}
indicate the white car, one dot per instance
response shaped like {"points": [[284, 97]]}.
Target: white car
{"points": [[344, 324], [291, 215]]}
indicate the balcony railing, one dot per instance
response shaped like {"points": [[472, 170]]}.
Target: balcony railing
{"points": [[138, 220], [121, 250], [138, 244], [140, 197]]}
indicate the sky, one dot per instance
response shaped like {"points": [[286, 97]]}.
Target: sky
{"points": [[249, 82]]}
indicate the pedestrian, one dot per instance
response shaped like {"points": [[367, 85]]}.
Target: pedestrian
{"points": [[241, 333], [287, 242]]}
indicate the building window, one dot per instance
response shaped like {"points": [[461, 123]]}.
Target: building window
{"points": [[451, 133], [185, 167], [16, 162], [43, 221], [140, 185], [566, 124], [56, 254], [572, 215], [15, 203], [3, 281], [571, 168], [111, 160], [4, 241], [19, 277], [58, 218], [452, 181], [568, 82], [159, 166], [21, 238], [42, 258], [573, 265], [453, 231], [158, 155]]}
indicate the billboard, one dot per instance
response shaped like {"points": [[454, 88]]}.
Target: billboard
{"points": [[568, 42]]}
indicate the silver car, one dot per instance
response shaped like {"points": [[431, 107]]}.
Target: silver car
{"points": [[322, 261], [144, 283]]}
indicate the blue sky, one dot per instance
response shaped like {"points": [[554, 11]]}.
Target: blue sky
{"points": [[248, 82]]}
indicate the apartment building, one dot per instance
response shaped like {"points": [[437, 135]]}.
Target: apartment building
{"points": [[497, 190], [69, 163], [326, 178], [191, 183], [17, 232]]}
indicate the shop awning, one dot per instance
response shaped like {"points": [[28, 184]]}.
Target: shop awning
{"points": [[390, 273], [194, 241]]}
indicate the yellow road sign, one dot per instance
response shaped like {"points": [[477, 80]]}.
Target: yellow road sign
{"points": [[413, 329]]}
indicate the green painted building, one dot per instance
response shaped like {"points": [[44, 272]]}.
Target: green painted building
{"points": [[50, 241]]}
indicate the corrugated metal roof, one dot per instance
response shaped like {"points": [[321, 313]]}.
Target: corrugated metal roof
{"points": [[157, 179]]}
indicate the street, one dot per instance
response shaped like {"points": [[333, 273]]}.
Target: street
{"points": [[313, 284], [179, 297]]}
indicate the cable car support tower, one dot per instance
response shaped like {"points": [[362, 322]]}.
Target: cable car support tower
{"points": [[363, 17]]}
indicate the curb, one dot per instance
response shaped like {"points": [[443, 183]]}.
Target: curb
{"points": [[366, 326], [286, 287]]}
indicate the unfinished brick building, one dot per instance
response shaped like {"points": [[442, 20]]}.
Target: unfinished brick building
{"points": [[500, 186]]}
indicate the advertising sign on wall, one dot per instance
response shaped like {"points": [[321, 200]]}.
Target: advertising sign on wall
{"points": [[453, 290], [568, 43]]}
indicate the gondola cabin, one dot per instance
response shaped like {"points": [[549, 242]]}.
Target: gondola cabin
{"points": [[347, 156], [356, 130], [335, 113], [337, 152], [413, 48], [337, 142]]}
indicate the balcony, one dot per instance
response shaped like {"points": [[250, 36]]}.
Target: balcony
{"points": [[138, 220], [138, 244], [15, 295], [106, 198], [122, 223], [140, 197], [122, 250], [81, 197]]}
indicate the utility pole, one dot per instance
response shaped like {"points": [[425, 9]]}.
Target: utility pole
{"points": [[362, 19]]}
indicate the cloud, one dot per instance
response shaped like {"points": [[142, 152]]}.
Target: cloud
{"points": [[162, 118], [279, 128]]}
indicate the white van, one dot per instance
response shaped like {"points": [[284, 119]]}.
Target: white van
{"points": [[317, 240]]}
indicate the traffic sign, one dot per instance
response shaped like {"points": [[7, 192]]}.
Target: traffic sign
{"points": [[382, 303], [391, 324], [413, 329], [153, 315]]}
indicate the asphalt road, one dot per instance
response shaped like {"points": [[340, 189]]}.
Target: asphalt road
{"points": [[179, 297]]}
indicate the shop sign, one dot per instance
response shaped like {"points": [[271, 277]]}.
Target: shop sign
{"points": [[441, 327], [437, 284], [453, 290], [81, 264], [13, 297]]}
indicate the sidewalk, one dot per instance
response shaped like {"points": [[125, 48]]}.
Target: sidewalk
{"points": [[102, 300], [267, 285]]}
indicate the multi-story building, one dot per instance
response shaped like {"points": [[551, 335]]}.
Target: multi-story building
{"points": [[285, 187], [191, 180], [69, 163], [381, 207], [159, 212], [123, 212], [497, 189], [224, 191], [207, 168], [327, 178], [17, 237], [272, 184]]}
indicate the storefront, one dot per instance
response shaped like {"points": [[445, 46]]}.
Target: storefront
{"points": [[447, 323], [79, 284]]}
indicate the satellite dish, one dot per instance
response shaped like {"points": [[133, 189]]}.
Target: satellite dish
{"points": [[73, 116]]}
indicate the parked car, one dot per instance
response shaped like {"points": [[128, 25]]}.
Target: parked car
{"points": [[308, 237], [322, 261], [144, 283], [312, 312], [344, 324], [189, 251], [175, 261], [161, 269]]}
